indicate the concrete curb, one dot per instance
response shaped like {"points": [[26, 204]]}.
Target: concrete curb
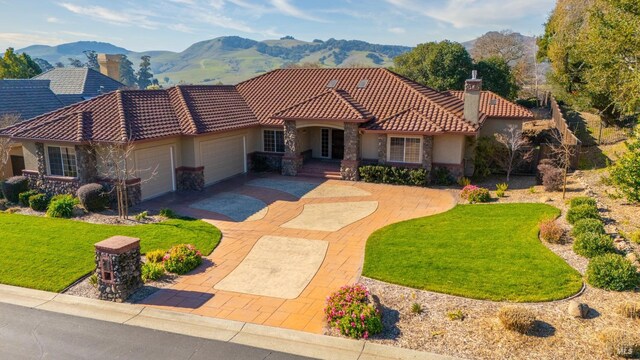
{"points": [[260, 336]]}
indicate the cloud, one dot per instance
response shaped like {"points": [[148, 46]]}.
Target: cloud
{"points": [[397, 30], [181, 28], [22, 39], [54, 20], [286, 8], [131, 17]]}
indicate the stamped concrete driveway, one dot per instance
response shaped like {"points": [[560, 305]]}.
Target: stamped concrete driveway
{"points": [[277, 267]]}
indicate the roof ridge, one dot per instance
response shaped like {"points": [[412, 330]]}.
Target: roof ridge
{"points": [[193, 125], [349, 103], [300, 103], [84, 79], [258, 77], [36, 126], [124, 133], [80, 124]]}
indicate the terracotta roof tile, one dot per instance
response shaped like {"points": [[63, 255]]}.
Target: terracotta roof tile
{"points": [[329, 105], [495, 106]]}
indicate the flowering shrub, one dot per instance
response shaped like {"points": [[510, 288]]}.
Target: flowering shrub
{"points": [[182, 258], [349, 311], [474, 194]]}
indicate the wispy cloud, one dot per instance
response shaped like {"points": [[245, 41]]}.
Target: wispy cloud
{"points": [[24, 39], [131, 17], [181, 28], [397, 30], [54, 20], [287, 8]]}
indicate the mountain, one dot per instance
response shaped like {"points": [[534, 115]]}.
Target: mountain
{"points": [[232, 59]]}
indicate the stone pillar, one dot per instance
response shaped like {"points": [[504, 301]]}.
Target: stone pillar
{"points": [[190, 178], [87, 164], [118, 267], [427, 152], [292, 160], [351, 160], [382, 149], [42, 166]]}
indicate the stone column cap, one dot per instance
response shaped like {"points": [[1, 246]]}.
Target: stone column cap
{"points": [[118, 244]]}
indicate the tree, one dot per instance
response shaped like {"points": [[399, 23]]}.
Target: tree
{"points": [[14, 66], [92, 60], [562, 152], [127, 76], [73, 62], [166, 79], [515, 149], [504, 44], [5, 142], [144, 73], [302, 65], [43, 64], [59, 64], [497, 76], [440, 65], [625, 172]]}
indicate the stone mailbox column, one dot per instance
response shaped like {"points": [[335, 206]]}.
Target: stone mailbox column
{"points": [[118, 267]]}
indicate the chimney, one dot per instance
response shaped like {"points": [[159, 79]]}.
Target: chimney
{"points": [[472, 89], [110, 65]]}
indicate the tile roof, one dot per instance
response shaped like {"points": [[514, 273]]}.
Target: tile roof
{"points": [[329, 105], [73, 85], [495, 106], [27, 98]]}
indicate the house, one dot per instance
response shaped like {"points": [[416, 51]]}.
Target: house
{"points": [[75, 84], [189, 137]]}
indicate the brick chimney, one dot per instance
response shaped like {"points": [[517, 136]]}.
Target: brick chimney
{"points": [[472, 89], [110, 65]]}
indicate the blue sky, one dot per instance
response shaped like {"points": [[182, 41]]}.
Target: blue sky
{"points": [[175, 24]]}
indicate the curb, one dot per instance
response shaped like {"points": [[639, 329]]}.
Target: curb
{"points": [[260, 336]]}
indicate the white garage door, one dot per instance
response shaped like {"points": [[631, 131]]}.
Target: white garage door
{"points": [[155, 169], [222, 158]]}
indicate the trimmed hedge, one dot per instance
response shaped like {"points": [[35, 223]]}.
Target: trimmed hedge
{"points": [[23, 197], [39, 202], [582, 212], [588, 226], [92, 197], [13, 187], [381, 174], [582, 200], [593, 244]]}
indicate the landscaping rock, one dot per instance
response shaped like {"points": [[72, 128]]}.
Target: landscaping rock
{"points": [[632, 257], [78, 211], [578, 310]]}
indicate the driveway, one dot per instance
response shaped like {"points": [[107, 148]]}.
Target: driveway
{"points": [[287, 244]]}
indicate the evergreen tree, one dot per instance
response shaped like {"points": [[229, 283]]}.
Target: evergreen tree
{"points": [[14, 66], [92, 60], [497, 76], [127, 75], [144, 74], [75, 63], [59, 64], [43, 64]]}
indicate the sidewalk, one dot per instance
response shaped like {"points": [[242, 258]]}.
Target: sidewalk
{"points": [[235, 332]]}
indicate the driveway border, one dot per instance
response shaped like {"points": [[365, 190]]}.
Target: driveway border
{"points": [[260, 336]]}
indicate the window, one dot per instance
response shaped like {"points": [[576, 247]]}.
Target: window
{"points": [[274, 141], [62, 161], [405, 150]]}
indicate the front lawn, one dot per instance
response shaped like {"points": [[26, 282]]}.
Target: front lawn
{"points": [[476, 251], [50, 254]]}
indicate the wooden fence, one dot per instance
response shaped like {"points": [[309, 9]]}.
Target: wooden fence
{"points": [[568, 137]]}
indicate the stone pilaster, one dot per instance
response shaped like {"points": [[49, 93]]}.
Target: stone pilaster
{"points": [[118, 267], [382, 148], [42, 165], [292, 160], [427, 152], [87, 164], [190, 178], [351, 160]]}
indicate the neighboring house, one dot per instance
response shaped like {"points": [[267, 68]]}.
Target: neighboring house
{"points": [[193, 136], [73, 85]]}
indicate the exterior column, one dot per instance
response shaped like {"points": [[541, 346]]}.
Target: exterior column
{"points": [[427, 152], [87, 164], [42, 166], [292, 160], [351, 160], [382, 149], [118, 267]]}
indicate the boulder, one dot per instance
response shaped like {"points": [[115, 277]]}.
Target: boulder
{"points": [[577, 309]]}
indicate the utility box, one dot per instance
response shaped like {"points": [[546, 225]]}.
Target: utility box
{"points": [[118, 267]]}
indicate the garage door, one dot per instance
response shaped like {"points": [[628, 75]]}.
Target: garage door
{"points": [[222, 158], [155, 169]]}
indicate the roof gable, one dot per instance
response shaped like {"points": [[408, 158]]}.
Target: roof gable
{"points": [[495, 106], [329, 105], [82, 81]]}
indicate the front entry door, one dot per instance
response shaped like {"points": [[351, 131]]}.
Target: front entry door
{"points": [[17, 164], [337, 144]]}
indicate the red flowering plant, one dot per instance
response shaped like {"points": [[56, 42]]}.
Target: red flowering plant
{"points": [[349, 311], [475, 194], [182, 258]]}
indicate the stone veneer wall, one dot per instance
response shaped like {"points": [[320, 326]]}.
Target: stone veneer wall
{"points": [[382, 148], [265, 161], [190, 178], [351, 159], [52, 185], [125, 272], [427, 152], [292, 160], [87, 164], [134, 192]]}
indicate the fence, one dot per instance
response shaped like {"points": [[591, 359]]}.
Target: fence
{"points": [[568, 137]]}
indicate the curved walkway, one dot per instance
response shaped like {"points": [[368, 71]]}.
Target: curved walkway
{"points": [[196, 293]]}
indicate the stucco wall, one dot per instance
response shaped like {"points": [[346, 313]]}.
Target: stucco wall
{"points": [[29, 153], [494, 126], [448, 149], [369, 146]]}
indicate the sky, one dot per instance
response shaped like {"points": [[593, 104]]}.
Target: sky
{"points": [[143, 25]]}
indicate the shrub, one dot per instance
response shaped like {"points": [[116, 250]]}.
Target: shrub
{"points": [[456, 315], [61, 206], [92, 197], [442, 176], [168, 213], [152, 271], [142, 216], [516, 318], [630, 309], [582, 200], [182, 258], [416, 309], [464, 181], [4, 204], [39, 202], [532, 190], [625, 173], [474, 194], [593, 244], [382, 174], [13, 186], [588, 226], [552, 179], [24, 196], [155, 256], [349, 311], [618, 342], [612, 272], [550, 231], [582, 212], [93, 280], [633, 236], [501, 189]]}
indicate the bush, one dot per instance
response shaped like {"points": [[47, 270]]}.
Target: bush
{"points": [[474, 194], [155, 256], [13, 186], [152, 271], [550, 231], [516, 318], [23, 197], [625, 173], [582, 212], [381, 174], [582, 200], [618, 342], [612, 272], [61, 206], [142, 216], [588, 226], [593, 244], [416, 309], [456, 315], [4, 204], [529, 103], [168, 213], [39, 202], [630, 309], [552, 179], [182, 258], [442, 176], [464, 181], [92, 197], [633, 236], [501, 189], [349, 311]]}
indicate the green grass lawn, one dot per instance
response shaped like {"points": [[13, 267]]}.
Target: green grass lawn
{"points": [[476, 251], [50, 254]]}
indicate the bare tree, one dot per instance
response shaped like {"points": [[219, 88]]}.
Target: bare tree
{"points": [[505, 44], [563, 153], [516, 149], [6, 143]]}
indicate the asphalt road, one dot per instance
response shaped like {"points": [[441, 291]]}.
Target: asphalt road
{"points": [[36, 334]]}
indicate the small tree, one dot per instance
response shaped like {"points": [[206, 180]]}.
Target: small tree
{"points": [[625, 172], [562, 152], [515, 149], [75, 63], [144, 73], [92, 60], [5, 142]]}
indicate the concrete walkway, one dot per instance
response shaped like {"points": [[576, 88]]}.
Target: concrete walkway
{"points": [[196, 293]]}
